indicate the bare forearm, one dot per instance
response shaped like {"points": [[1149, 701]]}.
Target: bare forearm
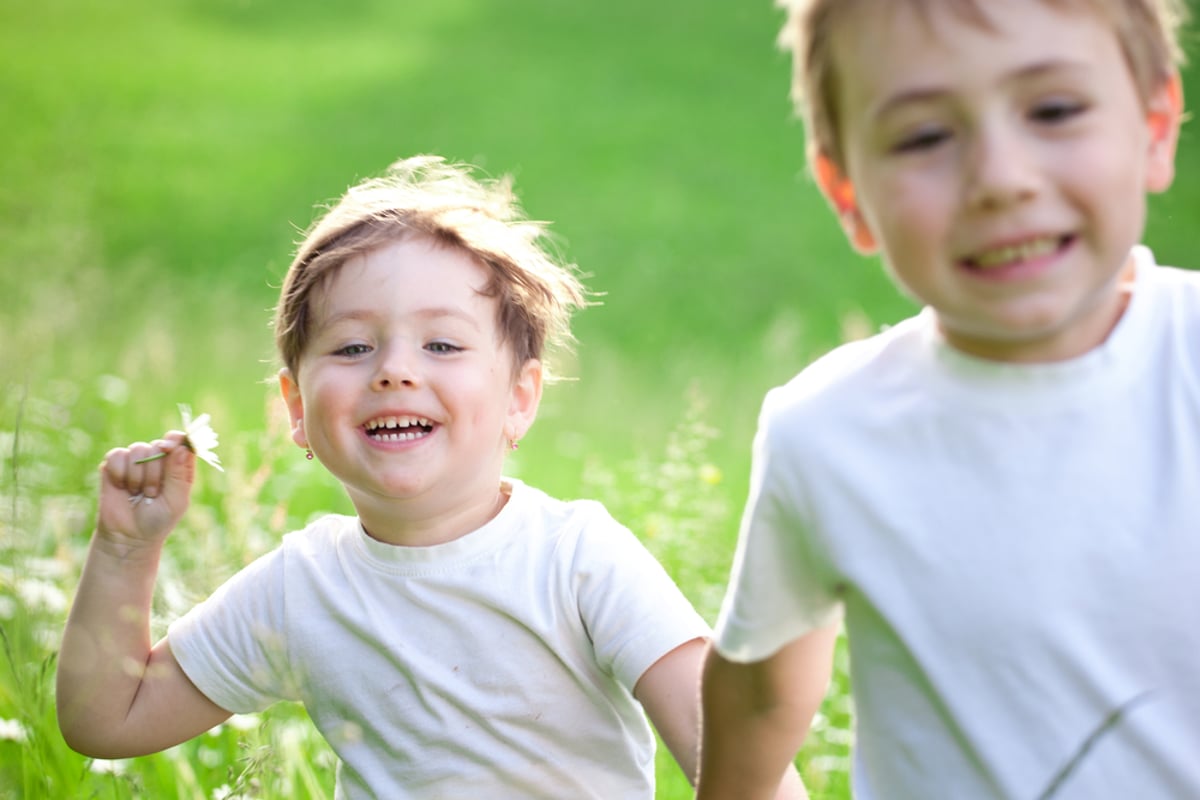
{"points": [[106, 644], [755, 717], [748, 756]]}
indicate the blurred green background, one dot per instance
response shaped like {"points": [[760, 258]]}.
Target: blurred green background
{"points": [[158, 161]]}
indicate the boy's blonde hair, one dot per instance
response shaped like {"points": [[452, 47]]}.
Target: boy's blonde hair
{"points": [[1147, 30], [428, 196]]}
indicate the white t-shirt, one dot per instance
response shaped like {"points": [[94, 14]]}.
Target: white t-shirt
{"points": [[1015, 550], [498, 665]]}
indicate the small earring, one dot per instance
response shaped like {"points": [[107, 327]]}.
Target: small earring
{"points": [[308, 454], [513, 444]]}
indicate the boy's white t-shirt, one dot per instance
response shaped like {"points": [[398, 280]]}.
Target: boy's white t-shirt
{"points": [[497, 665], [1015, 550]]}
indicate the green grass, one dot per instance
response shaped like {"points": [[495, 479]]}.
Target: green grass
{"points": [[158, 162]]}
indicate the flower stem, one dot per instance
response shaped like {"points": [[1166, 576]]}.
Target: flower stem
{"points": [[154, 457]]}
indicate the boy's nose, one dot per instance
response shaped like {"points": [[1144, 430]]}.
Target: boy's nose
{"points": [[1001, 171], [394, 369]]}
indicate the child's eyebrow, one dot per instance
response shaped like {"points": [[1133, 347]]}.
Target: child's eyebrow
{"points": [[924, 94], [438, 312], [431, 313]]}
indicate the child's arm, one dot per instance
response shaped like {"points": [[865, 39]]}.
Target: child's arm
{"points": [[117, 696], [756, 715], [668, 691]]}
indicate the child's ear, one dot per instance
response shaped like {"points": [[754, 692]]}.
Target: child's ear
{"points": [[526, 396], [839, 191], [1164, 114], [290, 390]]}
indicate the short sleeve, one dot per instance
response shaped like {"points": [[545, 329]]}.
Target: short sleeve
{"points": [[778, 590], [232, 645], [633, 611]]}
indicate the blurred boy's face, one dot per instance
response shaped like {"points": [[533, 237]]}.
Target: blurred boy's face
{"points": [[1000, 169]]}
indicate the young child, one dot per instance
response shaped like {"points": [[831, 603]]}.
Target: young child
{"points": [[464, 635], [1001, 495]]}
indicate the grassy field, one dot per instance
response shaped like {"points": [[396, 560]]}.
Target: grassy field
{"points": [[158, 162]]}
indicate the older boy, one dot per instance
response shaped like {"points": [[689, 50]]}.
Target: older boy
{"points": [[1001, 495]]}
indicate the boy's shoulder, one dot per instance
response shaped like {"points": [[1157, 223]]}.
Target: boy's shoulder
{"points": [[1183, 284], [1169, 310], [859, 372]]}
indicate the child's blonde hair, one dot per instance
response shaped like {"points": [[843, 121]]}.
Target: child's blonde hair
{"points": [[1147, 29], [428, 196]]}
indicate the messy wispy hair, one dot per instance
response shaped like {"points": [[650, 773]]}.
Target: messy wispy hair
{"points": [[427, 196]]}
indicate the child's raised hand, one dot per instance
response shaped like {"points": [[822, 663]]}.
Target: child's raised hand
{"points": [[143, 497]]}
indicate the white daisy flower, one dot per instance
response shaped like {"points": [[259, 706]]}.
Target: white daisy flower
{"points": [[199, 437], [13, 730]]}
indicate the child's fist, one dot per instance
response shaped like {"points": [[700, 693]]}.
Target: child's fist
{"points": [[145, 488]]}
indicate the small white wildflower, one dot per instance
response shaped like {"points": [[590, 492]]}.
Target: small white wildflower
{"points": [[210, 757], [244, 722], [113, 389], [41, 594], [102, 766], [199, 437], [12, 730], [47, 567], [222, 792]]}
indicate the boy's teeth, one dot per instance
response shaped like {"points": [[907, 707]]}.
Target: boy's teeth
{"points": [[1017, 252]]}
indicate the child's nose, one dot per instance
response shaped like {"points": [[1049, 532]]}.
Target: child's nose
{"points": [[1001, 170], [395, 368]]}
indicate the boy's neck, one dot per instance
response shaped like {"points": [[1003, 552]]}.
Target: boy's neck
{"points": [[1110, 308]]}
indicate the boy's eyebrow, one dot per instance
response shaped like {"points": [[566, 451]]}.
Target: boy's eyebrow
{"points": [[922, 94]]}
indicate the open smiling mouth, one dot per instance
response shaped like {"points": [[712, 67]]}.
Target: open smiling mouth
{"points": [[1019, 253], [398, 429]]}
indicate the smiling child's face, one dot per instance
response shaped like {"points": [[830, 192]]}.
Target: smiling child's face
{"points": [[1000, 169], [407, 391]]}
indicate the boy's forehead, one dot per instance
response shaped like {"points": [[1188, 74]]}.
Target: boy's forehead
{"points": [[870, 24], [927, 43]]}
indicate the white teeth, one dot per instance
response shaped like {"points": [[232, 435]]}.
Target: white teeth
{"points": [[398, 437], [1017, 252], [392, 423]]}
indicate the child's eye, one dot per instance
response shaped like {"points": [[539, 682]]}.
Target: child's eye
{"points": [[351, 350], [1056, 111], [443, 347], [923, 139]]}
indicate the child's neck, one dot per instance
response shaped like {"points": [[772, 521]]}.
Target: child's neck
{"points": [[407, 523], [1076, 341]]}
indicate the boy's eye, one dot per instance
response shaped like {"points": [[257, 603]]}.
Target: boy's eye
{"points": [[1055, 111], [442, 347], [351, 350], [923, 139]]}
